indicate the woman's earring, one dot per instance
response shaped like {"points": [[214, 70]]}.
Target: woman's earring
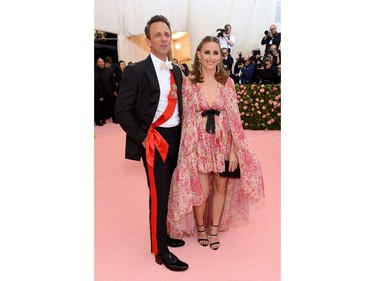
{"points": [[200, 68], [218, 67]]}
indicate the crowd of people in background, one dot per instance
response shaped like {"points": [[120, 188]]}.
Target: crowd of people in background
{"points": [[251, 67], [254, 67]]}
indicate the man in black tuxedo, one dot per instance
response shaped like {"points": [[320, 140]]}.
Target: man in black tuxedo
{"points": [[148, 108]]}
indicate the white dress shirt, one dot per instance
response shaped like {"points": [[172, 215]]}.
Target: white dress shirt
{"points": [[224, 43], [164, 78]]}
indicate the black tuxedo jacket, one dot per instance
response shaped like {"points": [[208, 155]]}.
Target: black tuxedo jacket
{"points": [[137, 102]]}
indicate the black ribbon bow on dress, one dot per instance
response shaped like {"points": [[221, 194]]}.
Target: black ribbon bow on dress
{"points": [[210, 126]]}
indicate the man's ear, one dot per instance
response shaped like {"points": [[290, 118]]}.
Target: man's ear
{"points": [[148, 42]]}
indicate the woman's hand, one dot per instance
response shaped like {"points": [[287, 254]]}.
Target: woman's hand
{"points": [[233, 161]]}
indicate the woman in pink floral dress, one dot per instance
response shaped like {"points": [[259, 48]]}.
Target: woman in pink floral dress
{"points": [[200, 199]]}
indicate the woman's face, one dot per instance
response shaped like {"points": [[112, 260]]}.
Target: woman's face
{"points": [[122, 65], [210, 55]]}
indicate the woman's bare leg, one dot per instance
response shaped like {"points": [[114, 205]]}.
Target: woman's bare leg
{"points": [[218, 201], [199, 210]]}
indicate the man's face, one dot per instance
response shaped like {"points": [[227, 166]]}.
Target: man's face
{"points": [[228, 30], [273, 29], [160, 40], [100, 63], [267, 65], [224, 53]]}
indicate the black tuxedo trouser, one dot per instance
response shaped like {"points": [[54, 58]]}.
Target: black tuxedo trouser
{"points": [[163, 174]]}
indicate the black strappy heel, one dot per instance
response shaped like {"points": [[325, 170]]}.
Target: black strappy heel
{"points": [[214, 243], [202, 240]]}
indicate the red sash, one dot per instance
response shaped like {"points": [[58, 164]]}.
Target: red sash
{"points": [[155, 140]]}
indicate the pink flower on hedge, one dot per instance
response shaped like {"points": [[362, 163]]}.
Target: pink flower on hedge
{"points": [[270, 101], [261, 90], [241, 87], [252, 87], [252, 109], [256, 104], [242, 113], [246, 102], [257, 99], [245, 107], [241, 100], [272, 110], [268, 114], [264, 116], [255, 92], [263, 107], [259, 112], [262, 101], [238, 96], [246, 124], [267, 93], [271, 121], [278, 114], [247, 114], [278, 104], [274, 103], [274, 89]]}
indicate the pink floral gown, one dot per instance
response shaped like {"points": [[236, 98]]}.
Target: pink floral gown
{"points": [[204, 152]]}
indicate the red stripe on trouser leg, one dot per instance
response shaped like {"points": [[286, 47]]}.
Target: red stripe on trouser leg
{"points": [[154, 212]]}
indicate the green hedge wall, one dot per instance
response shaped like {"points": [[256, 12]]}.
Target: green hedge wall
{"points": [[260, 106]]}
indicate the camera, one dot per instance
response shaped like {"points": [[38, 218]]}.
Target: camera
{"points": [[221, 32], [266, 32], [240, 58], [255, 53], [269, 52]]}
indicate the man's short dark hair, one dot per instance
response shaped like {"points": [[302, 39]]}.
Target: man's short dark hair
{"points": [[155, 19], [108, 60]]}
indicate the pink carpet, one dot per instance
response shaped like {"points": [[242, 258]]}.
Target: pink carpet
{"points": [[122, 247]]}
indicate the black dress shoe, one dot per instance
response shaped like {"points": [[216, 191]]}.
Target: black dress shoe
{"points": [[171, 262], [171, 242]]}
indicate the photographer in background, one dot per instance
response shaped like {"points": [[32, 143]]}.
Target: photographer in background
{"points": [[258, 68], [269, 74], [236, 70], [271, 37], [227, 60], [256, 55], [225, 38], [274, 53], [247, 69]]}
